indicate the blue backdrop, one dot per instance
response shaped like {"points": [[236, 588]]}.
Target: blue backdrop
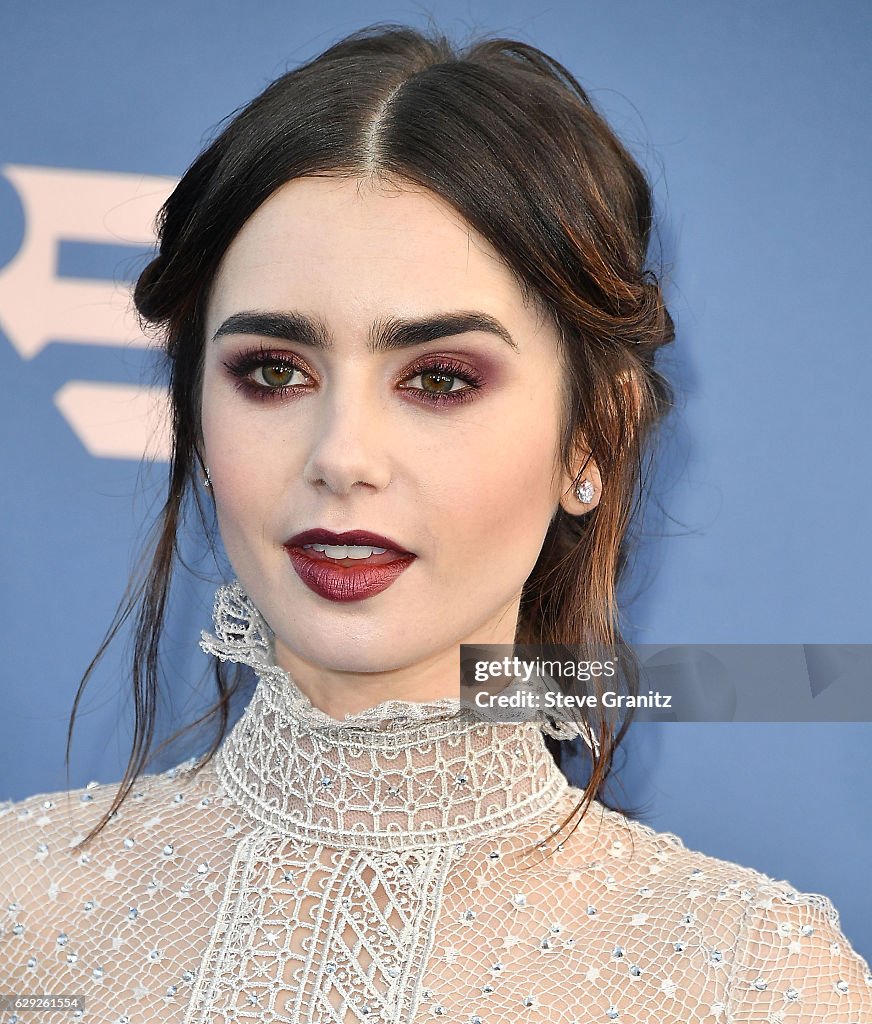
{"points": [[752, 120]]}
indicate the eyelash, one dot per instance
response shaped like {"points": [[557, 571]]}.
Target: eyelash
{"points": [[242, 366]]}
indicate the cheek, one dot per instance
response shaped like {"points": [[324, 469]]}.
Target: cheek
{"points": [[498, 490], [237, 437], [250, 490], [516, 462], [242, 464]]}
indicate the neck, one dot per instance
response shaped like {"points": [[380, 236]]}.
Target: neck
{"points": [[397, 775], [339, 693], [392, 777]]}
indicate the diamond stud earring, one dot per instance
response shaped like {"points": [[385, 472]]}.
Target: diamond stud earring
{"points": [[584, 492]]}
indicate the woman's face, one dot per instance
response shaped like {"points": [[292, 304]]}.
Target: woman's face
{"points": [[345, 438]]}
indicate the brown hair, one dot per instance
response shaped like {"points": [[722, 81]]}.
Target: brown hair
{"points": [[507, 135]]}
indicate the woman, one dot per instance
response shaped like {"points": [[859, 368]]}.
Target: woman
{"points": [[411, 338]]}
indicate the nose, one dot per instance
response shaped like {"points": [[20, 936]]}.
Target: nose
{"points": [[351, 438]]}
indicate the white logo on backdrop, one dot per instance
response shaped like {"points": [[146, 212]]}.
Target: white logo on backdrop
{"points": [[37, 307]]}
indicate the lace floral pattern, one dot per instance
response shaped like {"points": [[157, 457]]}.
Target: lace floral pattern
{"points": [[379, 869], [402, 773]]}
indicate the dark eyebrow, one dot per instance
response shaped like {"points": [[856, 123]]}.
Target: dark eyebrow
{"points": [[384, 335]]}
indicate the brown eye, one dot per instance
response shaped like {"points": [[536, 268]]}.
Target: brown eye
{"points": [[439, 382], [276, 375], [442, 381]]}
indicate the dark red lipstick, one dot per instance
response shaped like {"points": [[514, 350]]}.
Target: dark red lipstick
{"points": [[347, 579]]}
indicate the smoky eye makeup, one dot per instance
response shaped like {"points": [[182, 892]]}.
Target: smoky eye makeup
{"points": [[265, 374]]}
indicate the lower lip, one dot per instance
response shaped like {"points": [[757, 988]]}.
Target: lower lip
{"points": [[346, 582]]}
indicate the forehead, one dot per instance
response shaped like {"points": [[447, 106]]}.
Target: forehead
{"points": [[344, 245]]}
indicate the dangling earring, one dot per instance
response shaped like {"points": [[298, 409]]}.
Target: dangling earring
{"points": [[208, 481], [584, 492]]}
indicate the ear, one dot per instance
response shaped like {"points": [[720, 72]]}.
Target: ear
{"points": [[585, 469]]}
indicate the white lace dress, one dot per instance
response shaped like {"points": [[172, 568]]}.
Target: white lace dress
{"points": [[378, 869]]}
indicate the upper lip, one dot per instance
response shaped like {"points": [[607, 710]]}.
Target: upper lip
{"points": [[363, 537]]}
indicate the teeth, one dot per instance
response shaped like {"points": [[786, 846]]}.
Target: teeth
{"points": [[346, 550]]}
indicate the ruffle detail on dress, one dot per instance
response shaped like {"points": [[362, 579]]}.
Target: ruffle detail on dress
{"points": [[242, 635]]}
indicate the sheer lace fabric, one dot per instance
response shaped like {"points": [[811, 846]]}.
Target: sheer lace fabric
{"points": [[383, 868]]}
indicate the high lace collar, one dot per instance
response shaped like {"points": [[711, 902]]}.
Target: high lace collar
{"points": [[400, 774]]}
